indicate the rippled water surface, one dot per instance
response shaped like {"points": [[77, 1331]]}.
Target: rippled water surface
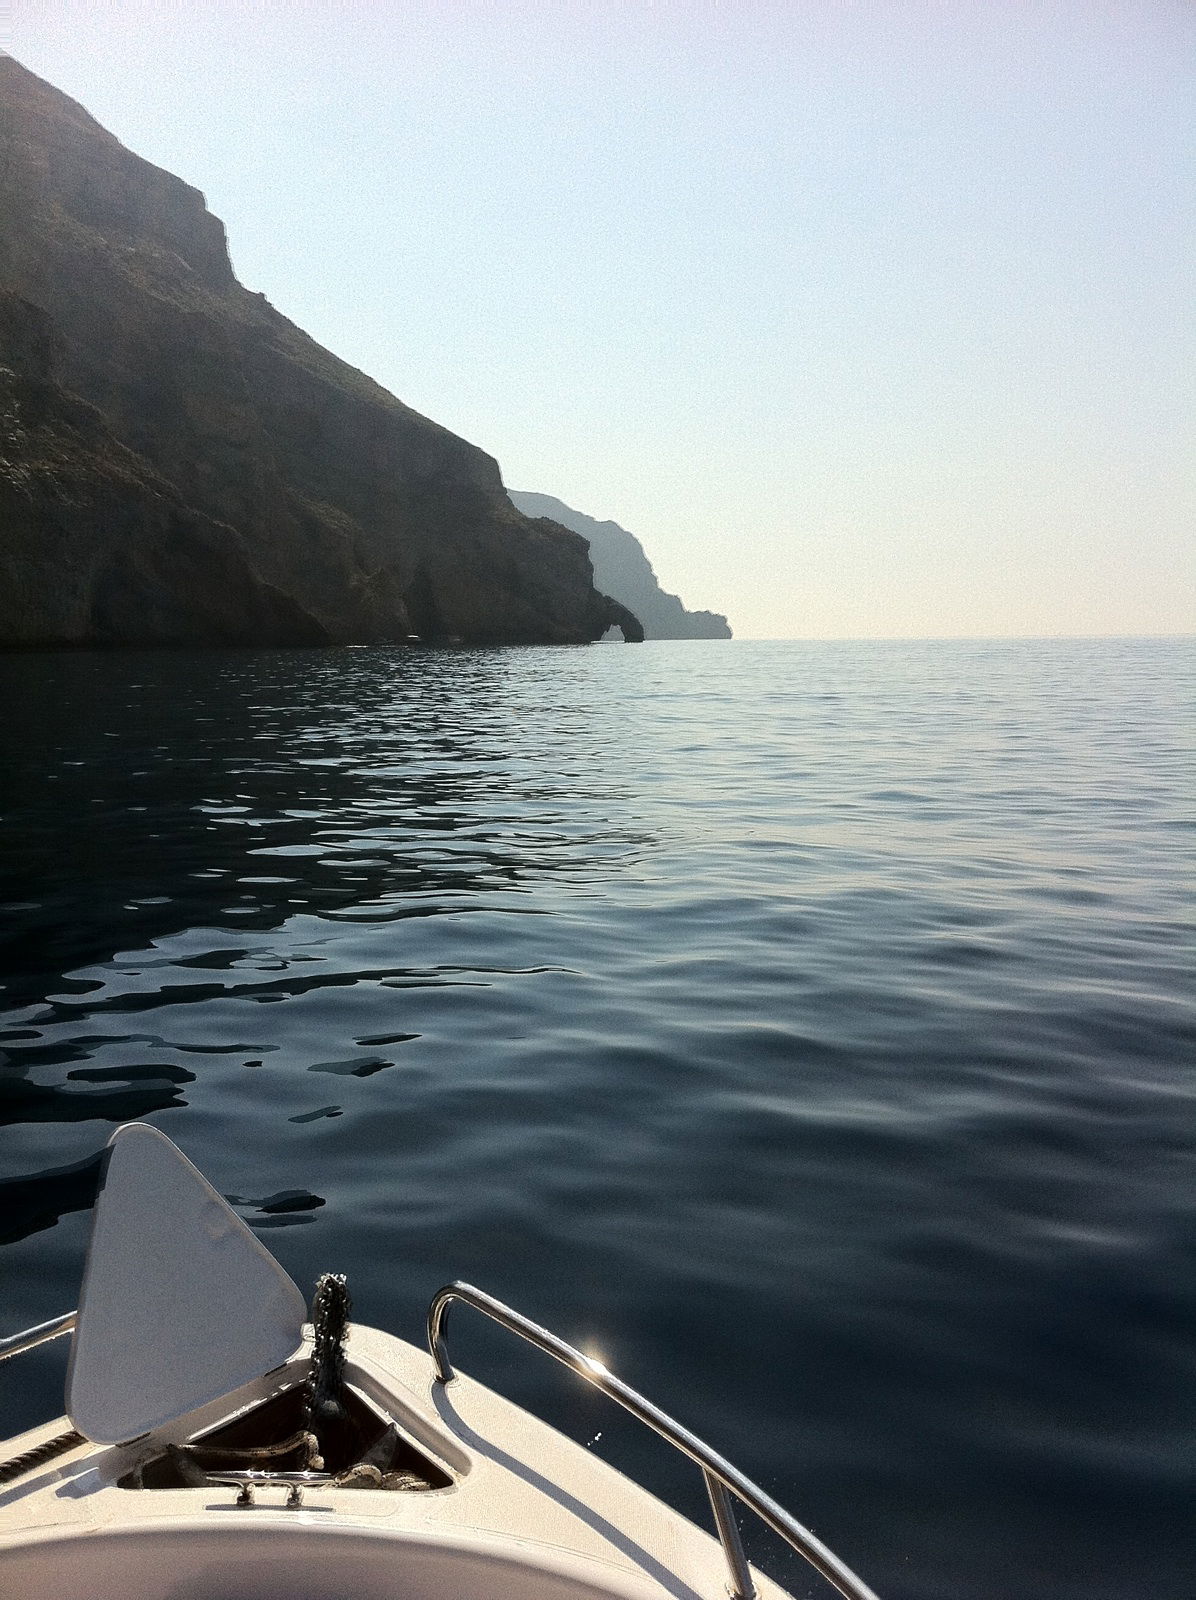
{"points": [[807, 1028]]}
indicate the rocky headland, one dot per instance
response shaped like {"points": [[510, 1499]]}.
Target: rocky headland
{"points": [[622, 569], [179, 463]]}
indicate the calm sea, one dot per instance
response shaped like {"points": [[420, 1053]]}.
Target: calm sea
{"points": [[806, 1028]]}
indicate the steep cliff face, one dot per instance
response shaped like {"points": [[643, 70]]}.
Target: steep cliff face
{"points": [[350, 515], [622, 569], [95, 547]]}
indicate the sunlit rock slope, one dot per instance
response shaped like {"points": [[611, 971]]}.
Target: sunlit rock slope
{"points": [[179, 462]]}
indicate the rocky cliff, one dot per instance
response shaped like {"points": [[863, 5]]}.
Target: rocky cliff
{"points": [[622, 569], [178, 461]]}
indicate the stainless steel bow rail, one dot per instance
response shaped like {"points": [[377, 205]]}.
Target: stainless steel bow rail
{"points": [[17, 1343], [722, 1479], [719, 1474]]}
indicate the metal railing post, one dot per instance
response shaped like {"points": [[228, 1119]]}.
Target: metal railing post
{"points": [[742, 1587], [722, 1479]]}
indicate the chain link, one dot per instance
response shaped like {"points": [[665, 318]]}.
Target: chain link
{"points": [[330, 1309]]}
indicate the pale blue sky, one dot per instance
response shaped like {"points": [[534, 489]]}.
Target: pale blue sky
{"points": [[870, 319]]}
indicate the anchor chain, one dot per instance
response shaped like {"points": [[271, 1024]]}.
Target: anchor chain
{"points": [[325, 1407]]}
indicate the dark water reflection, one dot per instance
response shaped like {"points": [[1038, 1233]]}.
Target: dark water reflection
{"points": [[262, 785], [146, 795], [809, 1028]]}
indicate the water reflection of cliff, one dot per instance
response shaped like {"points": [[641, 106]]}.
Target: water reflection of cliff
{"points": [[173, 818]]}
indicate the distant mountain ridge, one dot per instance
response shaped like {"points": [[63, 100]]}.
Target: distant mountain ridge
{"points": [[179, 463], [623, 571]]}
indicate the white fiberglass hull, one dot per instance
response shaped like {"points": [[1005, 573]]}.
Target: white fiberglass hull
{"points": [[526, 1514]]}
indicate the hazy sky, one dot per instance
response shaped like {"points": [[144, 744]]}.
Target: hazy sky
{"points": [[867, 318]]}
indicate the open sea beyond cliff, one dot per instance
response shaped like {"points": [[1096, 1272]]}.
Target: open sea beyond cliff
{"points": [[806, 1028]]}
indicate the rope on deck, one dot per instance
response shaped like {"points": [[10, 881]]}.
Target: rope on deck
{"points": [[17, 1466]]}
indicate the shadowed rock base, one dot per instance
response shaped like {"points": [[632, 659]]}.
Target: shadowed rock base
{"points": [[622, 569]]}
